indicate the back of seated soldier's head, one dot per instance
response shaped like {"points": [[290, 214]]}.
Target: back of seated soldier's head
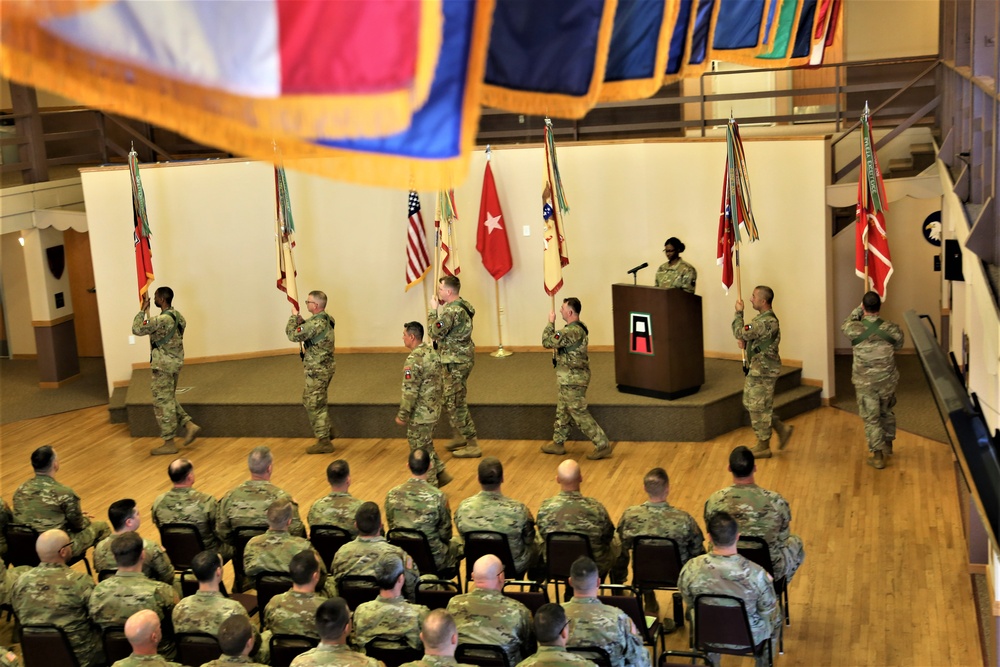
{"points": [[338, 472], [142, 629], [205, 565], [656, 482], [332, 618], [723, 529], [126, 548], [419, 462], [279, 514], [550, 619], [179, 469], [490, 473], [121, 511], [387, 569], [741, 462], [43, 458], [438, 629], [368, 518], [303, 566], [234, 633], [259, 460], [583, 574]]}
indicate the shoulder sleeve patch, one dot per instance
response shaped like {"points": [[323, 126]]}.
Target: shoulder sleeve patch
{"points": [[407, 373], [557, 336], [747, 327], [439, 324]]}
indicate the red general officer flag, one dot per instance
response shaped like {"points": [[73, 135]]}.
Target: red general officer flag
{"points": [[140, 232], [491, 234]]}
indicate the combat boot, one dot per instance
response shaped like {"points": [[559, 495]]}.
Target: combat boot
{"points": [[470, 451], [168, 447], [887, 447], [600, 453], [877, 460], [556, 448], [457, 442], [762, 450], [322, 446], [444, 477], [190, 433], [784, 432]]}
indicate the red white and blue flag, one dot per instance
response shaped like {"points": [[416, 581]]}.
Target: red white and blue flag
{"points": [[417, 259]]}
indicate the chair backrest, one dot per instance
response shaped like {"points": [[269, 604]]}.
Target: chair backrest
{"points": [[436, 593], [392, 650], [683, 658], [721, 625], [21, 540], [270, 584], [243, 535], [479, 543], [196, 648], [596, 654], [482, 655], [46, 646], [656, 562], [327, 540], [629, 600], [531, 594], [562, 548], [755, 549], [416, 545], [284, 648], [357, 589], [105, 574], [116, 646], [182, 542]]}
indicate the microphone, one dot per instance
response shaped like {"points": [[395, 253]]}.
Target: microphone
{"points": [[638, 268]]}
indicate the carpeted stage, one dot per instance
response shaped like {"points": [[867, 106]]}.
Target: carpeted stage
{"points": [[512, 399]]}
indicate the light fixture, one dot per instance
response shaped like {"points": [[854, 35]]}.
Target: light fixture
{"points": [[20, 239]]}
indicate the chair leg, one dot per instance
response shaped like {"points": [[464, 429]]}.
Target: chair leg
{"points": [[784, 592]]}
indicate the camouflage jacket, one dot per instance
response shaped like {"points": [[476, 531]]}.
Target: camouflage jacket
{"points": [[491, 510], [556, 656], [188, 505], [204, 612], [436, 661], [573, 512], [485, 616], [6, 516], [357, 558], [680, 276], [334, 655], [316, 334], [247, 504], [593, 623], [166, 339], [759, 513], [387, 616], [450, 326], [293, 613], [44, 504], [736, 576], [156, 565], [335, 509], [145, 661], [762, 337], [423, 388], [273, 552], [662, 520], [570, 344], [874, 357], [227, 660], [420, 506], [8, 658], [118, 597]]}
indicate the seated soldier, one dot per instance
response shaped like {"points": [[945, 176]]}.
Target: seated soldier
{"points": [[552, 630], [357, 558], [333, 622], [338, 507], [294, 612], [389, 613], [440, 640], [273, 551], [185, 504], [142, 629], [124, 517], [246, 505], [236, 641]]}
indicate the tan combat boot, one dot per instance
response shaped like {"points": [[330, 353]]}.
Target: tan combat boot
{"points": [[190, 433], [556, 448], [457, 442], [762, 450], [168, 447], [784, 432], [877, 460], [444, 477], [888, 447], [470, 451], [322, 446], [600, 453]]}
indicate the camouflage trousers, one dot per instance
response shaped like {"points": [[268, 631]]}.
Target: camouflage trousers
{"points": [[89, 536], [455, 377], [573, 405], [793, 552], [758, 399], [169, 413], [421, 436], [875, 406], [316, 402]]}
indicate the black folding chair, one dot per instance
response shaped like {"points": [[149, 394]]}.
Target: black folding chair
{"points": [[392, 650], [418, 547], [327, 540], [196, 648], [21, 539], [116, 646], [562, 548], [629, 600], [683, 659], [46, 645], [596, 654], [285, 648], [268, 585], [531, 594], [357, 589], [721, 625], [436, 593], [243, 534], [757, 550], [656, 566], [482, 655], [479, 543]]}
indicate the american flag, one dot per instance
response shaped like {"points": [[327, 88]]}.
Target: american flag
{"points": [[417, 259]]}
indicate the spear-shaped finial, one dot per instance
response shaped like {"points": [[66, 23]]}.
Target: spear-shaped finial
{"points": [[489, 152]]}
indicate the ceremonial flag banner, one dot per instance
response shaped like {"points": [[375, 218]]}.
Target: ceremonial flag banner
{"points": [[140, 233], [284, 232], [491, 234], [735, 210], [417, 259], [554, 207], [872, 260], [447, 240]]}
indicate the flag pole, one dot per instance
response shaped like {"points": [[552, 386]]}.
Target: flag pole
{"points": [[500, 353]]}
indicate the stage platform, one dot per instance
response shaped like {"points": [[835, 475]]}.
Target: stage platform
{"points": [[510, 399]]}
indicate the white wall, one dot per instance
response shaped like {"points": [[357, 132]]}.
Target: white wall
{"points": [[17, 304], [890, 28]]}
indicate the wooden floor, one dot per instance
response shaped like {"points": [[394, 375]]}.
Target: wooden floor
{"points": [[885, 580]]}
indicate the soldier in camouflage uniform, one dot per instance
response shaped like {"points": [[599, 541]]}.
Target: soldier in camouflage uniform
{"points": [[124, 517], [166, 358], [417, 505], [658, 518], [552, 629], [44, 504], [273, 551], [725, 572], [449, 324], [333, 622], [294, 612], [116, 598], [316, 336], [338, 507], [423, 391], [358, 557], [675, 273], [143, 631], [208, 607], [593, 623], [440, 640], [571, 511], [53, 593], [485, 616], [5, 518], [491, 510], [389, 613], [760, 513], [8, 658], [573, 374], [185, 504], [236, 641], [874, 374], [247, 504], [760, 339]]}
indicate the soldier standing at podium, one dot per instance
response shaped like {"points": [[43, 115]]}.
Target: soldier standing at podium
{"points": [[675, 272], [573, 374]]}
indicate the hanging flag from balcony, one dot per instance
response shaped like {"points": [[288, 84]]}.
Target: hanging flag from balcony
{"points": [[140, 230], [284, 233], [554, 208], [417, 259], [640, 44], [872, 259]]}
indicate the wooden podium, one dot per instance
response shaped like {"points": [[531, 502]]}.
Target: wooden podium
{"points": [[659, 346]]}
